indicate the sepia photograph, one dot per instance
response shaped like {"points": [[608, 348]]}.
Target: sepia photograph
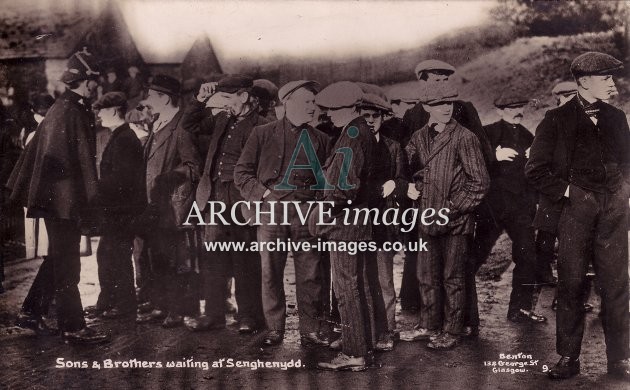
{"points": [[306, 194]]}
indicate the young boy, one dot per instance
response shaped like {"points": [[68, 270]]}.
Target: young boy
{"points": [[448, 172]]}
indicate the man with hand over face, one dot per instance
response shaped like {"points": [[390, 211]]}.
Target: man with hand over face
{"points": [[226, 132]]}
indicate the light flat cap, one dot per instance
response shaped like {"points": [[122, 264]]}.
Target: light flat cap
{"points": [[440, 93], [565, 88], [373, 89], [594, 63], [434, 65], [375, 102], [339, 94], [287, 89]]}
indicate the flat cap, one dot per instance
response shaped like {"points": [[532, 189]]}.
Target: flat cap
{"points": [[42, 101], [440, 93], [80, 66], [565, 88], [264, 89], [511, 99], [287, 89], [111, 99], [375, 102], [339, 94], [404, 92], [594, 63], [434, 65], [232, 83], [373, 89], [165, 84]]}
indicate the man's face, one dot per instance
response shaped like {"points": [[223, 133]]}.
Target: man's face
{"points": [[400, 108], [599, 87], [234, 102], [513, 115], [111, 77], [157, 101], [300, 107], [108, 116], [440, 112], [433, 77], [374, 119]]}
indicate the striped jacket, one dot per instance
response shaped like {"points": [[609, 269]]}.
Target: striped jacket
{"points": [[449, 172]]}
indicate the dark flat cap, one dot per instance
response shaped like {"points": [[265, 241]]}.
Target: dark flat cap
{"points": [[565, 88], [111, 99], [339, 94], [434, 65], [42, 101], [375, 102], [439, 93], [80, 66], [510, 99], [232, 83], [165, 84], [594, 63], [287, 89], [264, 89]]}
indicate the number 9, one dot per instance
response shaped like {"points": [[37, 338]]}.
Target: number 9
{"points": [[545, 368]]}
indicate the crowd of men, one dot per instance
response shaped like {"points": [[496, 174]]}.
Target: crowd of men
{"points": [[239, 139]]}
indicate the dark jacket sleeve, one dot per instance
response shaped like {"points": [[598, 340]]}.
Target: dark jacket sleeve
{"points": [[477, 182], [197, 118], [538, 168], [400, 172], [414, 166], [86, 150], [474, 124], [245, 171]]}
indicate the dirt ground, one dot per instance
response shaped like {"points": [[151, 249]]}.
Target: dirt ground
{"points": [[29, 362]]}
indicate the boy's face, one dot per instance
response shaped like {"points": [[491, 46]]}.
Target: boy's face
{"points": [[374, 119], [600, 87], [440, 112]]}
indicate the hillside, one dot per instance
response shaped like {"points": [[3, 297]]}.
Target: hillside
{"points": [[533, 66]]}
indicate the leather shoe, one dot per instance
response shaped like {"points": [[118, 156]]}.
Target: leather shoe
{"points": [[526, 316], [172, 321], [145, 307], [343, 362], [35, 323], [154, 315], [93, 311], [115, 312], [565, 368], [313, 339], [274, 337], [620, 369], [418, 334], [336, 345], [246, 326], [202, 323], [86, 336]]}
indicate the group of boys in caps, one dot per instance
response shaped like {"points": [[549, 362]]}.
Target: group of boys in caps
{"points": [[421, 148]]}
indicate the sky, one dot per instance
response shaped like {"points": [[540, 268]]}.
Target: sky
{"points": [[165, 30]]}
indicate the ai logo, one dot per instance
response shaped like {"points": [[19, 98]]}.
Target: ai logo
{"points": [[304, 142]]}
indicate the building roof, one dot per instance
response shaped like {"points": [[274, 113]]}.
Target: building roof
{"points": [[42, 28]]}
